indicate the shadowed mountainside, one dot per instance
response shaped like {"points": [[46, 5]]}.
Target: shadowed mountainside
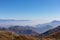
{"points": [[23, 30], [53, 34]]}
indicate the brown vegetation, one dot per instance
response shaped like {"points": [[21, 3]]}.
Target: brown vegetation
{"points": [[5, 35]]}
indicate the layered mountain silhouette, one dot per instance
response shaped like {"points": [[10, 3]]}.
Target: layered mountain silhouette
{"points": [[40, 28], [43, 28], [23, 30]]}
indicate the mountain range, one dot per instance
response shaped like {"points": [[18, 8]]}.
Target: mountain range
{"points": [[23, 30], [39, 28], [48, 31], [52, 34]]}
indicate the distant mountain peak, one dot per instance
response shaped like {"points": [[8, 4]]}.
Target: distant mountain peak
{"points": [[55, 21]]}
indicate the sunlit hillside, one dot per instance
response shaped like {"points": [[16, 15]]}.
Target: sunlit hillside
{"points": [[5, 35]]}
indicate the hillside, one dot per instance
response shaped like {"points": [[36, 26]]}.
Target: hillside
{"points": [[5, 35], [53, 34]]}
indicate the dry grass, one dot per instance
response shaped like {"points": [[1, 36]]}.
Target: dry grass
{"points": [[5, 35]]}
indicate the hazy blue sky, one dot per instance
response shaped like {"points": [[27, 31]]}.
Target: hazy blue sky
{"points": [[30, 9]]}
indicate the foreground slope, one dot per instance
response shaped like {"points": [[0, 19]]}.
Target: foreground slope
{"points": [[5, 35]]}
